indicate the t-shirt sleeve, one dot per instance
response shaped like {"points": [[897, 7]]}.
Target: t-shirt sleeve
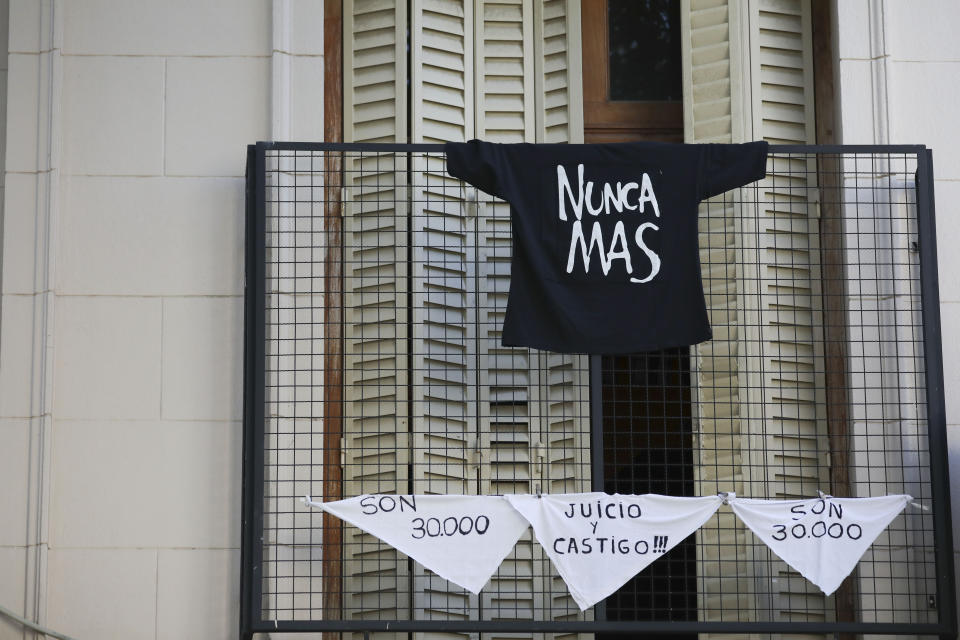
{"points": [[728, 166], [476, 162]]}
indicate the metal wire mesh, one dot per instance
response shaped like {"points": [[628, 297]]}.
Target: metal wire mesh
{"points": [[385, 285]]}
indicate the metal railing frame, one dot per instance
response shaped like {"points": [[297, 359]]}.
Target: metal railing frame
{"points": [[253, 433]]}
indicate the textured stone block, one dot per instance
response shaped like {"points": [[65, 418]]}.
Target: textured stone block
{"points": [[176, 484], [108, 593], [152, 236], [215, 107], [107, 358], [113, 115], [202, 358]]}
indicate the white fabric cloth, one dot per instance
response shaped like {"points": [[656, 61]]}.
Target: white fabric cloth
{"points": [[462, 539], [599, 541], [822, 538]]}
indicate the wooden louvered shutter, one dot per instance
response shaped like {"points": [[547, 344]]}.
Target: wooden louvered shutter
{"points": [[508, 377], [711, 115], [484, 419], [443, 289], [442, 264], [564, 379], [783, 299], [376, 440], [534, 413], [558, 79], [374, 90], [759, 426]]}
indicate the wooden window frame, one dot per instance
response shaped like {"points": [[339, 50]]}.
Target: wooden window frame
{"points": [[609, 120], [332, 563]]}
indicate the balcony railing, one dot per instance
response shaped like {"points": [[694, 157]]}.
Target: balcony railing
{"points": [[376, 287]]}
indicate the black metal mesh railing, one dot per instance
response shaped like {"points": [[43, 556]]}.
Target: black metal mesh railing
{"points": [[377, 286]]}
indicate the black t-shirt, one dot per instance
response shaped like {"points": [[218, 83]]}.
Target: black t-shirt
{"points": [[605, 252]]}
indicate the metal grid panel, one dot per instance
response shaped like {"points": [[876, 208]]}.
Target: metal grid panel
{"points": [[384, 286]]}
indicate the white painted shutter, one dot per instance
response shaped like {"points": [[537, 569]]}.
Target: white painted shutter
{"points": [[510, 430], [510, 425], [564, 380], [558, 77], [758, 422], [534, 412], [374, 62], [710, 100], [783, 303], [475, 72], [500, 71], [564, 384], [443, 290], [443, 307], [376, 402]]}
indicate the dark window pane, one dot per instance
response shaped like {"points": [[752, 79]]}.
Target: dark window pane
{"points": [[648, 448], [644, 49]]}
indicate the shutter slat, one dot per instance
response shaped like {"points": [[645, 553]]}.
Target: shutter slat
{"points": [[708, 109], [528, 413], [443, 304], [376, 444], [794, 461]]}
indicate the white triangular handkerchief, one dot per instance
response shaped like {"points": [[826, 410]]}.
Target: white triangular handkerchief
{"points": [[822, 538], [462, 539], [597, 541]]}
